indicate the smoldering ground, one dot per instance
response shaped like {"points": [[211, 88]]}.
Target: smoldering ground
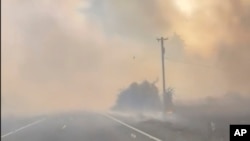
{"points": [[207, 120]]}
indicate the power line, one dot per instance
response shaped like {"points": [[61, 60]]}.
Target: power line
{"points": [[188, 63]]}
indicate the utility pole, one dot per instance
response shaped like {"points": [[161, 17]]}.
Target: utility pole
{"points": [[163, 70]]}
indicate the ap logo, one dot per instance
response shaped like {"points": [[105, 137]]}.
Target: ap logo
{"points": [[239, 133]]}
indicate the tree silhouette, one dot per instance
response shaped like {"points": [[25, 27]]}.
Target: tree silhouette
{"points": [[142, 97]]}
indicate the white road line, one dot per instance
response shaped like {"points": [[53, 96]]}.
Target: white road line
{"points": [[7, 134], [133, 128], [19, 129]]}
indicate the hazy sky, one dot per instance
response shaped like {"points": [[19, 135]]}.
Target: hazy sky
{"points": [[66, 55]]}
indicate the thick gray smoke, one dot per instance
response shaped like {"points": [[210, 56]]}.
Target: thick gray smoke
{"points": [[215, 30], [54, 53], [235, 61], [138, 19]]}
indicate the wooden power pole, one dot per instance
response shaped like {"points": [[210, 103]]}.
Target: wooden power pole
{"points": [[165, 97]]}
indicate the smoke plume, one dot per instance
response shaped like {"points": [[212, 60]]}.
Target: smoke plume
{"points": [[64, 55]]}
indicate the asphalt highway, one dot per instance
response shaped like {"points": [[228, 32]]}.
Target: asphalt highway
{"points": [[73, 127], [89, 126]]}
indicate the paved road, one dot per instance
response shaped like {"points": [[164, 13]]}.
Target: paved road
{"points": [[73, 127]]}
